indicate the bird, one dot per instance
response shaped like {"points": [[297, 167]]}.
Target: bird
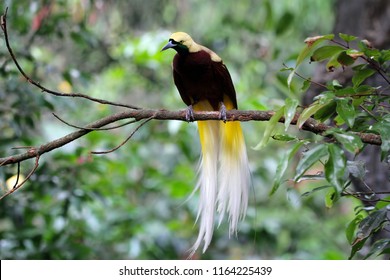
{"points": [[204, 84]]}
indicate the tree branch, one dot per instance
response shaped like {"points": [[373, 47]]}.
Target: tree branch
{"points": [[233, 115]]}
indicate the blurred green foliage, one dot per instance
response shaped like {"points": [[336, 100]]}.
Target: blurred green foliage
{"points": [[132, 204]]}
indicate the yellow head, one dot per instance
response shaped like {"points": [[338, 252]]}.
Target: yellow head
{"points": [[181, 42]]}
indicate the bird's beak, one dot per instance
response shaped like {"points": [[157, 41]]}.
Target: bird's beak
{"points": [[168, 46]]}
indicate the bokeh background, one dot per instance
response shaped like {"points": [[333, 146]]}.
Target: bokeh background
{"points": [[132, 203]]}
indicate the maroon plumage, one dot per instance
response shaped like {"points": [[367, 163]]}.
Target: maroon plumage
{"points": [[198, 77]]}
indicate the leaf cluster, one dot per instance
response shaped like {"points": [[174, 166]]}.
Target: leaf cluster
{"points": [[349, 108]]}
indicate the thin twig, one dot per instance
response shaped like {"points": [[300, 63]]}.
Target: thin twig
{"points": [[22, 147], [15, 188], [125, 141], [378, 69], [3, 23], [360, 196], [93, 128], [365, 193], [339, 43], [17, 177], [307, 79], [368, 112]]}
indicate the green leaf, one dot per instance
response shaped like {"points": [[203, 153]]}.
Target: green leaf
{"points": [[321, 102], [378, 247], [284, 137], [373, 54], [357, 246], [345, 91], [289, 78], [335, 167], [332, 64], [383, 203], [350, 141], [335, 85], [284, 23], [284, 69], [383, 128], [309, 159], [316, 190], [270, 128], [326, 52], [282, 166], [329, 198], [289, 111], [319, 175], [351, 228], [365, 89], [307, 113], [346, 110], [371, 223], [326, 111], [280, 170], [361, 75], [311, 43], [306, 84], [384, 57], [354, 54], [344, 59], [347, 38]]}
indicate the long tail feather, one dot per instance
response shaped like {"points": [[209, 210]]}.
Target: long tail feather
{"points": [[208, 176], [234, 175], [224, 189], [207, 182]]}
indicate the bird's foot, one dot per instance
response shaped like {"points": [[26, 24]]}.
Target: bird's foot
{"points": [[222, 112], [190, 114]]}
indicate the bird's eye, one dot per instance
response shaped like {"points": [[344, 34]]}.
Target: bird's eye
{"points": [[181, 41]]}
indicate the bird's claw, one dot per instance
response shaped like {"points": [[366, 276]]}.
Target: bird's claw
{"points": [[222, 112], [190, 114]]}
